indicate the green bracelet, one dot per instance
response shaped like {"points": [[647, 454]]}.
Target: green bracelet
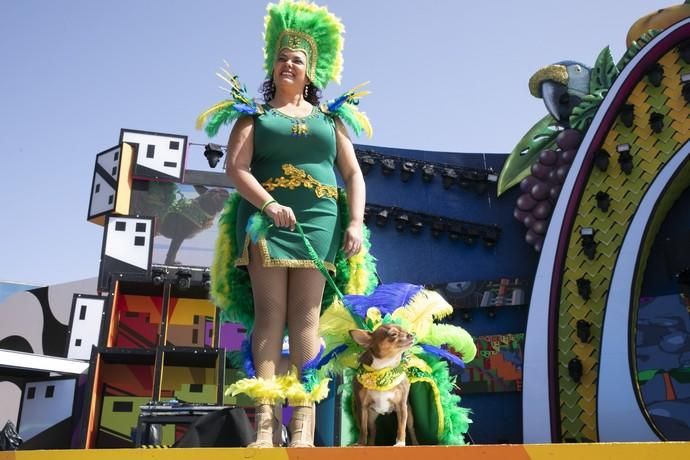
{"points": [[265, 205]]}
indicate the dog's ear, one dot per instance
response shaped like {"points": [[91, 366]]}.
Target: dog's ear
{"points": [[361, 337]]}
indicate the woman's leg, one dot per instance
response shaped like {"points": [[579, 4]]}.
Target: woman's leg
{"points": [[305, 291], [269, 287]]}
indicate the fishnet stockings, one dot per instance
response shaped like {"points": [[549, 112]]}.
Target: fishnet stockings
{"points": [[284, 295]]}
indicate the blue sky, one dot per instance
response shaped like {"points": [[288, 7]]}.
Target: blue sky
{"points": [[445, 75]]}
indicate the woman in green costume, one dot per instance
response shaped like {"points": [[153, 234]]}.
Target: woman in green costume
{"points": [[281, 158]]}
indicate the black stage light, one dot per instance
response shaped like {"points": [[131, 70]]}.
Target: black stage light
{"points": [[366, 162], [382, 218], [213, 154], [589, 246], [603, 201], [655, 73], [584, 330], [684, 51], [575, 370], [183, 279], [428, 172], [438, 227], [367, 214], [625, 161], [206, 280], [416, 225], [456, 231], [627, 115], [464, 179], [490, 236], [407, 170], [601, 160], [450, 176], [656, 122], [584, 288], [470, 234], [158, 276], [686, 92], [387, 166], [401, 221]]}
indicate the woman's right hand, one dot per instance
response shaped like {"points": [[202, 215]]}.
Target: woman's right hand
{"points": [[282, 216]]}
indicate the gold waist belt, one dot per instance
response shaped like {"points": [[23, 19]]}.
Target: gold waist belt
{"points": [[295, 177]]}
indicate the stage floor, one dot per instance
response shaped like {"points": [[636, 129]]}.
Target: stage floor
{"points": [[637, 451]]}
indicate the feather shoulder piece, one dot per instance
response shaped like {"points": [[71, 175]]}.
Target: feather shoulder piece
{"points": [[229, 110], [346, 108]]}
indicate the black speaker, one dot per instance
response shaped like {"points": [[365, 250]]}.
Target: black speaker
{"points": [[229, 427]]}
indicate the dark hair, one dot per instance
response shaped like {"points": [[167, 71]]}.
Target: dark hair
{"points": [[268, 90]]}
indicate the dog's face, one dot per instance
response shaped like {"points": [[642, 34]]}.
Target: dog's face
{"points": [[387, 341]]}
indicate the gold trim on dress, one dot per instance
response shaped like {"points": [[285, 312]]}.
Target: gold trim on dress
{"points": [[267, 261], [295, 177]]}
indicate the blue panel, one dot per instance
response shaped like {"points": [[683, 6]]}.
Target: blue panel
{"points": [[496, 417], [423, 259]]}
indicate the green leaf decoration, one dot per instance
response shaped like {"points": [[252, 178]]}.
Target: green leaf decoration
{"points": [[517, 166], [645, 376], [604, 72], [582, 114], [636, 46]]}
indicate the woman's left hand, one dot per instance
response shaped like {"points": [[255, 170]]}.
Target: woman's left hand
{"points": [[352, 240]]}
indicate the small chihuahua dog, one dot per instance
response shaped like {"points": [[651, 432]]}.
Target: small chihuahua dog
{"points": [[383, 349]]}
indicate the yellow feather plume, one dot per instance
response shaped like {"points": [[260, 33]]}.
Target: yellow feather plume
{"points": [[336, 322], [365, 123], [359, 277], [422, 310], [297, 395], [262, 391], [201, 119]]}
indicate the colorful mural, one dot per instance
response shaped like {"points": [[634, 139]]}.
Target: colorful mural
{"points": [[497, 367]]}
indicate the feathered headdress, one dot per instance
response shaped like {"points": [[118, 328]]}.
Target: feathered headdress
{"points": [[304, 26]]}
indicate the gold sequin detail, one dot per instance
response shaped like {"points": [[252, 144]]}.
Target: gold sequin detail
{"points": [[267, 261], [300, 129], [295, 177]]}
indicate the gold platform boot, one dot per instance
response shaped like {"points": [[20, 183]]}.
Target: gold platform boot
{"points": [[302, 427], [263, 419]]}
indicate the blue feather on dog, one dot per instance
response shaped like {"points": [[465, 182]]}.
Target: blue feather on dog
{"points": [[445, 354], [386, 297]]}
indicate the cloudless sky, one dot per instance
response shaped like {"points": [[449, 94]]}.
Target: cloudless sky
{"points": [[445, 75]]}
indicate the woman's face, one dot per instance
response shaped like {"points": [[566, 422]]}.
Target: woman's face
{"points": [[290, 69]]}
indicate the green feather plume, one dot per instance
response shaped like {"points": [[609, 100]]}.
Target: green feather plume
{"points": [[257, 226], [230, 288], [322, 26], [452, 336]]}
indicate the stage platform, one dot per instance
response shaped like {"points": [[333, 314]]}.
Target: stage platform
{"points": [[637, 451]]}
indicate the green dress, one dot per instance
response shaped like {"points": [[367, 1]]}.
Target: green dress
{"points": [[294, 159]]}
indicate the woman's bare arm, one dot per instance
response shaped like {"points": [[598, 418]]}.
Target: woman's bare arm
{"points": [[356, 189]]}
